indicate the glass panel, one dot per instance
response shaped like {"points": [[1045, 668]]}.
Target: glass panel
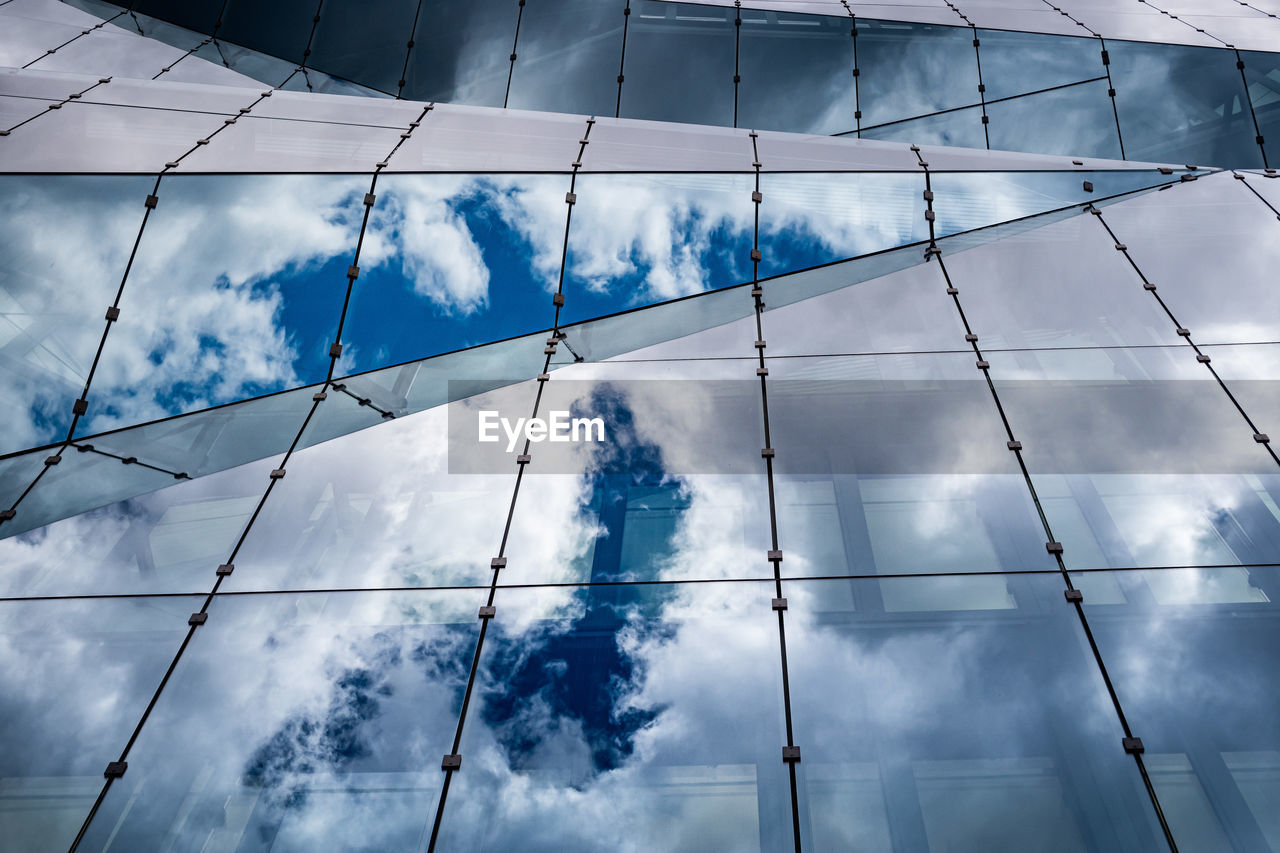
{"points": [[896, 465], [255, 144], [1209, 247], [347, 757], [251, 63], [123, 139], [1077, 120], [795, 72], [568, 57], [1182, 104], [1262, 73], [653, 146], [806, 220], [1014, 63], [66, 242], [679, 63], [455, 139], [78, 675], [961, 127], [235, 291], [637, 239], [461, 52], [973, 720], [914, 69], [17, 110], [975, 199], [27, 39], [652, 728], [450, 262], [1192, 655], [1139, 458], [1061, 285], [167, 541], [369, 49], [281, 29], [111, 50], [198, 15], [16, 473], [1251, 372]]}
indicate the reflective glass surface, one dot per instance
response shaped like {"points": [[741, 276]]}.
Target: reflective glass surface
{"points": [[1184, 104], [913, 69], [625, 716], [450, 262], [369, 49], [1216, 276], [346, 757], [197, 15], [795, 72], [1077, 120], [1060, 285], [1192, 656], [1251, 372], [235, 291], [1016, 63], [961, 127], [1262, 74], [66, 241], [281, 29], [82, 667], [461, 52], [896, 465], [961, 714], [568, 57], [1139, 458], [679, 63]]}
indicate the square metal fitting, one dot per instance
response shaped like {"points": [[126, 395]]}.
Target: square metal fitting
{"points": [[1088, 186], [523, 459], [335, 350], [775, 556], [319, 397], [951, 291], [1165, 170], [353, 271], [928, 195], [369, 199], [79, 407], [7, 515], [983, 364], [1120, 247], [1186, 333], [451, 762], [1133, 745], [151, 202], [1053, 547], [971, 337], [930, 216], [488, 611], [767, 453], [115, 769], [498, 563], [113, 313], [1203, 359], [757, 292], [226, 569], [762, 371], [551, 350], [277, 474], [197, 618], [757, 196], [755, 255], [557, 299], [1148, 286], [760, 344], [779, 604], [1261, 438], [1073, 595], [543, 377], [791, 754], [571, 198], [52, 460], [1014, 445]]}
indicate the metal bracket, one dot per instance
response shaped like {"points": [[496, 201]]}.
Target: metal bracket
{"points": [[353, 272], [779, 604], [488, 611], [7, 515], [151, 202], [320, 397], [760, 344], [52, 460], [335, 350], [983, 364], [762, 371], [498, 563], [557, 299], [197, 618], [451, 762], [277, 474], [113, 314], [971, 338], [791, 754], [226, 569], [523, 459], [79, 407], [1053, 547], [1261, 438], [369, 199], [1186, 333], [1133, 745], [115, 769], [767, 453], [1014, 445], [755, 255], [1073, 595], [1202, 358], [775, 556]]}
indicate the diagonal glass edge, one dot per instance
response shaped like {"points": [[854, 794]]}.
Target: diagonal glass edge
{"points": [[216, 439]]}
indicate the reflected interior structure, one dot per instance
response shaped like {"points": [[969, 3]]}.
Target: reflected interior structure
{"points": [[932, 351]]}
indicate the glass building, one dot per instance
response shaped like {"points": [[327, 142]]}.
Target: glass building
{"points": [[934, 506]]}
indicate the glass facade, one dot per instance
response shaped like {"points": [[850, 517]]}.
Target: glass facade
{"points": [[934, 504]]}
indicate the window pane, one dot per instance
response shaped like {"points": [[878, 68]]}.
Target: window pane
{"points": [[974, 720], [795, 73], [679, 63], [910, 70], [653, 728], [347, 756], [962, 128], [1040, 123], [1015, 63], [461, 52], [568, 57], [78, 675], [1192, 655], [280, 29], [369, 49], [1182, 104]]}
